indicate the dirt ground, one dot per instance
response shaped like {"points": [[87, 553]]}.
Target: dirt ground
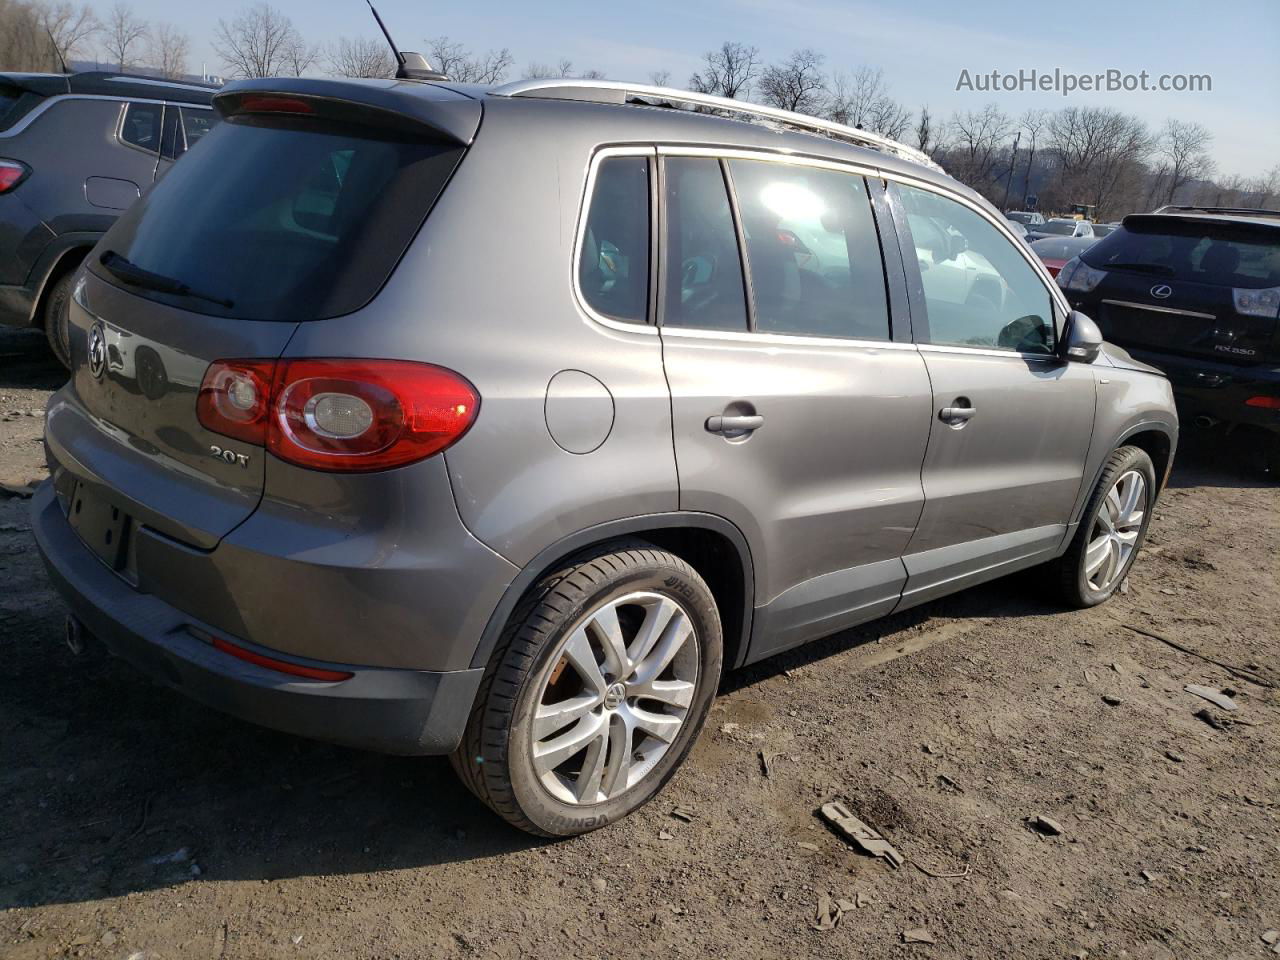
{"points": [[137, 824]]}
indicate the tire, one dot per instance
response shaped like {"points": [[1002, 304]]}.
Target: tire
{"points": [[540, 669], [57, 319], [1080, 583]]}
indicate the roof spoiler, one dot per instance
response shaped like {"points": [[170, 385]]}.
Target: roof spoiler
{"points": [[417, 109]]}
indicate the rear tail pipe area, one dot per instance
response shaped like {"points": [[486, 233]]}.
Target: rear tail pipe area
{"points": [[1205, 422], [76, 636]]}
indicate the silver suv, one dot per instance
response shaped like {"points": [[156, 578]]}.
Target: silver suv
{"points": [[499, 422]]}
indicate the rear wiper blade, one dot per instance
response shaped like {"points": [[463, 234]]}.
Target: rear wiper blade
{"points": [[135, 275], [1163, 269]]}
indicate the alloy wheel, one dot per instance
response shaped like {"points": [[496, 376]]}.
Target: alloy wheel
{"points": [[615, 698], [1115, 531]]}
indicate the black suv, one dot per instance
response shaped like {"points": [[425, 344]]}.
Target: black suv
{"points": [[1195, 291], [75, 151]]}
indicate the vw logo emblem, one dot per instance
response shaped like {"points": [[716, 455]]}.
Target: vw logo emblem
{"points": [[1162, 291], [97, 350]]}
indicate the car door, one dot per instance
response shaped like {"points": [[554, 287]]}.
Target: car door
{"points": [[1011, 422], [796, 414]]}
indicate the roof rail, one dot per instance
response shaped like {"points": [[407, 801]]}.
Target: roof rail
{"points": [[613, 91], [1237, 211]]}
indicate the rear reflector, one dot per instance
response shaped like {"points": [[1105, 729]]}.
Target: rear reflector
{"points": [[338, 415], [1267, 403], [281, 666], [12, 173]]}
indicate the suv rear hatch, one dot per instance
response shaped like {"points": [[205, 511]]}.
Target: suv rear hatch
{"points": [[296, 208], [1201, 287]]}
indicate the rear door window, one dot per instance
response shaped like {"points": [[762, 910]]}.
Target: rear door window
{"points": [[704, 284], [141, 125], [979, 290], [286, 219], [813, 254], [613, 263], [196, 123]]}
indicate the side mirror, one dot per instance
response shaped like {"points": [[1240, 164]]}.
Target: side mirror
{"points": [[1082, 340]]}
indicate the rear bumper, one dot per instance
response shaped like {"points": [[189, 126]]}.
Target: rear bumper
{"points": [[1219, 391], [383, 709]]}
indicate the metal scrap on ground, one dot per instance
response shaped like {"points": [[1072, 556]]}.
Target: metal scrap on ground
{"points": [[861, 835]]}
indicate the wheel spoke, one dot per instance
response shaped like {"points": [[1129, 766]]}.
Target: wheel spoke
{"points": [[1134, 496], [606, 627], [1113, 562], [674, 693], [587, 787], [580, 655], [678, 630], [1127, 537], [656, 618], [547, 756], [619, 766], [1096, 555], [551, 717], [661, 725]]}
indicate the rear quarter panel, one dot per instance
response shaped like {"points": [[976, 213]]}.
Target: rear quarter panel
{"points": [[486, 290]]}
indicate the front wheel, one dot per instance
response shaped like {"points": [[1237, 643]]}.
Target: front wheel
{"points": [[602, 680], [1111, 531]]}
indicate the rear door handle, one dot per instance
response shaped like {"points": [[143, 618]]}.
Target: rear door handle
{"points": [[726, 425], [957, 414]]}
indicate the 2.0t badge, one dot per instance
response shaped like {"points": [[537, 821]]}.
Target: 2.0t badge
{"points": [[97, 349]]}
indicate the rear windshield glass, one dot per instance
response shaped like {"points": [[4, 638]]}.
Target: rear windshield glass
{"points": [[14, 104], [1062, 228], [1205, 253], [295, 220]]}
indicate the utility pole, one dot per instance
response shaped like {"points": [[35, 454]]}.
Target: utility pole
{"points": [[1013, 162]]}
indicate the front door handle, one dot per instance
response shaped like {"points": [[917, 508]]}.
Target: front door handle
{"points": [[734, 425], [957, 414]]}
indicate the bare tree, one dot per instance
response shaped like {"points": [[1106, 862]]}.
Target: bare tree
{"points": [[660, 78], [1100, 150], [862, 100], [360, 57], [70, 26], [925, 141], [1184, 147], [124, 36], [167, 50], [24, 46], [456, 61], [1032, 123], [260, 41], [728, 72], [979, 144], [797, 84], [561, 68], [542, 71]]}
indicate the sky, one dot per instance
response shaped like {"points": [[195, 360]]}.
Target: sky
{"points": [[922, 46]]}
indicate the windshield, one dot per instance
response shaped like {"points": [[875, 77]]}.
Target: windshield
{"points": [[1059, 228], [1206, 253], [289, 220]]}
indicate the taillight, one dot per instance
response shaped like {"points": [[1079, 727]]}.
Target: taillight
{"points": [[234, 398], [1266, 403], [354, 415], [12, 173]]}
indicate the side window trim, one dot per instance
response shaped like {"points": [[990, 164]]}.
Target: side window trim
{"points": [[584, 213], [915, 281], [744, 257]]}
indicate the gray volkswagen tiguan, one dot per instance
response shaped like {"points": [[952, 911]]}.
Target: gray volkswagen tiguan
{"points": [[497, 423]]}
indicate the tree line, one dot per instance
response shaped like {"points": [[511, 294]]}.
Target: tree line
{"points": [[1077, 154]]}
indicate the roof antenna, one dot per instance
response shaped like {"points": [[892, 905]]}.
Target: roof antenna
{"points": [[59, 52], [410, 66]]}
